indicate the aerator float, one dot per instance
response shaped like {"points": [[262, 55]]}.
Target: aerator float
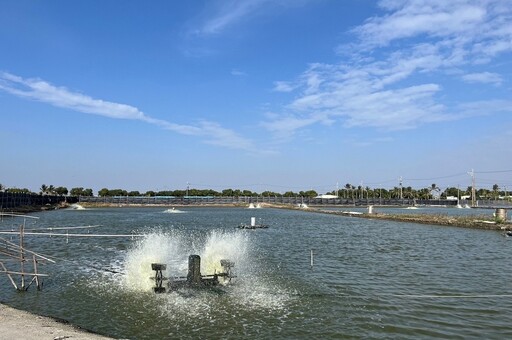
{"points": [[194, 279]]}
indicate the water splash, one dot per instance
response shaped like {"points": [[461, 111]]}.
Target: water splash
{"points": [[220, 245], [76, 206], [173, 211], [173, 248], [154, 248], [252, 291]]}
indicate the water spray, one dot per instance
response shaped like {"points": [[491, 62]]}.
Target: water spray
{"points": [[194, 279]]}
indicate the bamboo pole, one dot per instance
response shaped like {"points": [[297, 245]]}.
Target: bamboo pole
{"points": [[19, 273], [35, 271], [77, 235], [9, 275], [22, 255], [29, 251]]}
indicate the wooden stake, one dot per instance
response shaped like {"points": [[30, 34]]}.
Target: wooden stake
{"points": [[9, 275], [35, 271], [22, 255]]}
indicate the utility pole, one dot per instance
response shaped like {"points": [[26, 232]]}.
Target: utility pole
{"points": [[473, 191], [188, 185]]}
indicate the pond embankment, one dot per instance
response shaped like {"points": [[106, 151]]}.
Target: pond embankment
{"points": [[19, 324], [474, 222]]}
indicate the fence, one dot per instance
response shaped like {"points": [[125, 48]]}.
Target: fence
{"points": [[10, 200], [220, 200]]}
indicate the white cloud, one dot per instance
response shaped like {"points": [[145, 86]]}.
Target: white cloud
{"points": [[227, 13], [484, 107], [438, 18], [389, 77], [238, 73], [283, 86], [483, 77], [40, 90]]}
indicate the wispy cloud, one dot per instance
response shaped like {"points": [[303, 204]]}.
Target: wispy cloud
{"points": [[284, 86], [387, 79], [483, 77], [238, 73], [226, 13], [435, 18], [220, 15], [40, 90]]}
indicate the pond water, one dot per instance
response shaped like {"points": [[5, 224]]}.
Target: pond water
{"points": [[370, 279]]}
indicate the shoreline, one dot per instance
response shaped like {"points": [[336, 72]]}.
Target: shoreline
{"points": [[471, 222], [20, 324]]}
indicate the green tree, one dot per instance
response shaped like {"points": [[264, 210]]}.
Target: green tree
{"points": [[310, 193], [289, 194], [247, 193], [76, 191], [103, 192], [495, 189], [18, 191], [227, 192], [451, 191], [44, 189], [61, 191], [81, 192]]}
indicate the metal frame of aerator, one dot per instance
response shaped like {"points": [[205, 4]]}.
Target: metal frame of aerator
{"points": [[193, 278]]}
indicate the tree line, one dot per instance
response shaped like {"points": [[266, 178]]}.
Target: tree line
{"points": [[348, 192]]}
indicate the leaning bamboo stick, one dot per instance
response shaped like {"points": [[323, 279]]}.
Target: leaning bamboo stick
{"points": [[77, 235], [29, 251], [35, 271], [9, 275], [21, 273]]}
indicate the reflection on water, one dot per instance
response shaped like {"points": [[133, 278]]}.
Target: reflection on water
{"points": [[371, 279]]}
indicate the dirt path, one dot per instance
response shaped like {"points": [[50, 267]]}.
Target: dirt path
{"points": [[18, 324]]}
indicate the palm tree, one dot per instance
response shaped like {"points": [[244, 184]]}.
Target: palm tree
{"points": [[347, 187], [44, 189], [495, 189]]}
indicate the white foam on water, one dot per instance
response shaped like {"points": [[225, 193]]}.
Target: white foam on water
{"points": [[173, 211], [253, 290], [222, 245], [158, 247], [173, 249]]}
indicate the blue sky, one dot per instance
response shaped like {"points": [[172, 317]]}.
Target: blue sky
{"points": [[256, 94]]}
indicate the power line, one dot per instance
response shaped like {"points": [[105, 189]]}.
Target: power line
{"points": [[492, 171], [435, 178]]}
